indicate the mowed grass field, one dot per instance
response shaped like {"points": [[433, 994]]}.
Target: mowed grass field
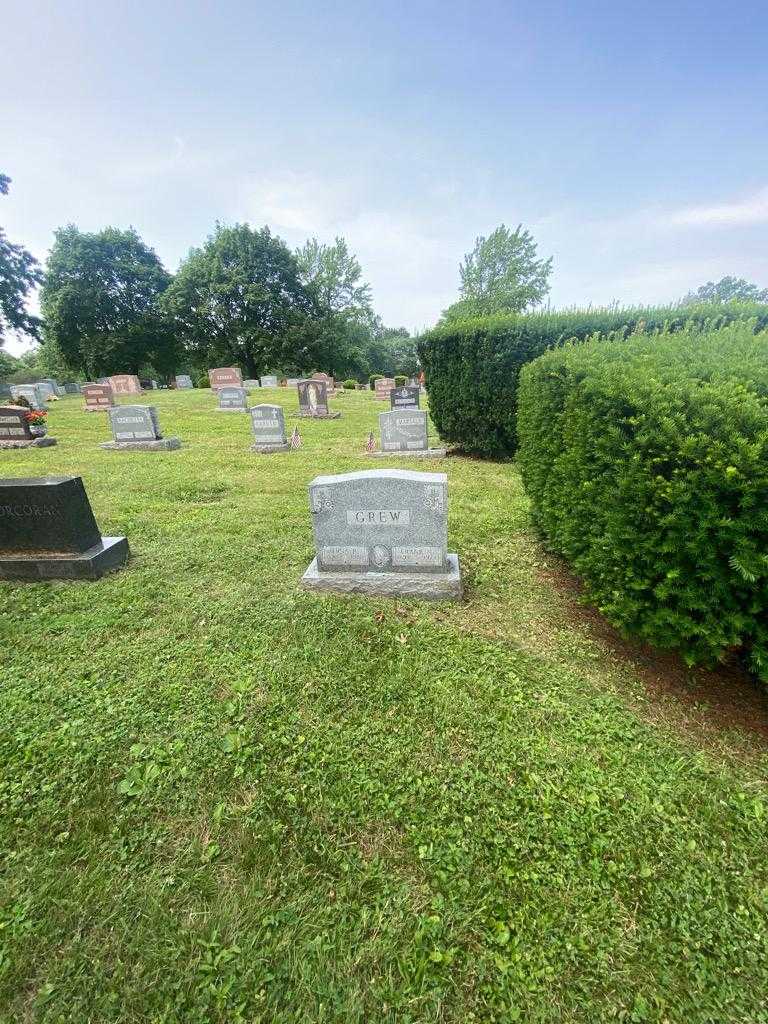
{"points": [[226, 800]]}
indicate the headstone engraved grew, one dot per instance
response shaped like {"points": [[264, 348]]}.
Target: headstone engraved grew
{"points": [[33, 394], [225, 376], [270, 381], [124, 384], [404, 432], [47, 531], [268, 422], [136, 428], [313, 400], [382, 532], [15, 431], [383, 386], [404, 398], [233, 399], [183, 381], [98, 397]]}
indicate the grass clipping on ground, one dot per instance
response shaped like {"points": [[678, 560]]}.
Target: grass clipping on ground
{"points": [[226, 800]]}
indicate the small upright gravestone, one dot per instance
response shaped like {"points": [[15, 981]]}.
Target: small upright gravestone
{"points": [[384, 533], [58, 390], [135, 428], [47, 532], [268, 422], [98, 397], [34, 394], [382, 387], [404, 432], [224, 377], [404, 398], [233, 399], [124, 384], [313, 400], [47, 388], [270, 381], [251, 384], [183, 381], [72, 388], [15, 430]]}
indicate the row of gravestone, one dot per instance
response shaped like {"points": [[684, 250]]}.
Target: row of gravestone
{"points": [[378, 532]]}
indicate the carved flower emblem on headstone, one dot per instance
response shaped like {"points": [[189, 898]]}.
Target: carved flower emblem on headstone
{"points": [[433, 500], [381, 556]]}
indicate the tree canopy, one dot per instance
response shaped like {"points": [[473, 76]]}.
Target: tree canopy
{"points": [[727, 289], [100, 300], [502, 274], [239, 299], [19, 275]]}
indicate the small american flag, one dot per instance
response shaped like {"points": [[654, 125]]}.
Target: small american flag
{"points": [[295, 439], [370, 444]]}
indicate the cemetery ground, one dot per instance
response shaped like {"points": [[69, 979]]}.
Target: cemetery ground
{"points": [[227, 800]]}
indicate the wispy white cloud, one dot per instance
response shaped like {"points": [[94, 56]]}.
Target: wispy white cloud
{"points": [[741, 212]]}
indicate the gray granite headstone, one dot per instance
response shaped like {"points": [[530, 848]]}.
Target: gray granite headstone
{"points": [[34, 394], [72, 388], [270, 381], [47, 531], [268, 422], [47, 389], [134, 423], [58, 390], [183, 381], [233, 399], [251, 384], [403, 430], [404, 398], [382, 532], [291, 382], [5, 391]]}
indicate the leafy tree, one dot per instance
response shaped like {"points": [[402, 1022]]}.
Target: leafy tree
{"points": [[333, 276], [501, 275], [19, 274], [727, 289], [8, 365], [239, 299], [100, 300]]}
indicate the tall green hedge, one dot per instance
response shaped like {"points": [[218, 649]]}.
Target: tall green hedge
{"points": [[646, 460], [472, 368]]}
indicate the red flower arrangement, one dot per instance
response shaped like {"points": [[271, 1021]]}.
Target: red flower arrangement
{"points": [[36, 417]]}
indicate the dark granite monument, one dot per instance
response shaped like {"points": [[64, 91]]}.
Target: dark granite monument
{"points": [[136, 428], [15, 431], [404, 432], [48, 532], [313, 400], [404, 398]]}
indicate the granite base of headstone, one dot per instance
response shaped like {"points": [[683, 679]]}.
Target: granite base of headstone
{"points": [[48, 532], [383, 533], [135, 428], [15, 431]]}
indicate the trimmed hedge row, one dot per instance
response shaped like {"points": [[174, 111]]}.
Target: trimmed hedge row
{"points": [[646, 460], [472, 367]]}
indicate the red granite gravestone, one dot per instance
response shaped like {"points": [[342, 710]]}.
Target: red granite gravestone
{"points": [[225, 377], [98, 397]]}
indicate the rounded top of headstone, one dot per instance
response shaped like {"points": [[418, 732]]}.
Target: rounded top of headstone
{"points": [[383, 474]]}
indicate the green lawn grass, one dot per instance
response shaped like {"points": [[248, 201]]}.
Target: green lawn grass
{"points": [[226, 800]]}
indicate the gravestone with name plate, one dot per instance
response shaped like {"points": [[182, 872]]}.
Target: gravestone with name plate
{"points": [[136, 428], [268, 422], [270, 381], [183, 382], [313, 400], [382, 388], [404, 432], [34, 394], [233, 399], [384, 533], [98, 397], [72, 388], [404, 398], [124, 384], [15, 431], [48, 532], [225, 377]]}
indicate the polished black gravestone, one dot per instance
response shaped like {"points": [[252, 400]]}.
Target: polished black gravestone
{"points": [[47, 532]]}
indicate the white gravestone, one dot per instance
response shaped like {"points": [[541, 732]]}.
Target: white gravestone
{"points": [[382, 532], [34, 394]]}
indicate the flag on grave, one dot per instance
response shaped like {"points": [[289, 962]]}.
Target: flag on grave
{"points": [[295, 439]]}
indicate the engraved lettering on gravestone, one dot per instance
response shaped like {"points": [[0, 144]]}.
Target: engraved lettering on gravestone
{"points": [[268, 422], [225, 376], [404, 398], [13, 424], [379, 517], [133, 423], [342, 556], [233, 398], [403, 430]]}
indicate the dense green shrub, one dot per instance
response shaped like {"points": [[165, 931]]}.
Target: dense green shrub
{"points": [[204, 381], [400, 380], [349, 385], [372, 380], [472, 367], [646, 460]]}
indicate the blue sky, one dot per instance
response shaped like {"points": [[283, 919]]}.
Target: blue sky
{"points": [[631, 138]]}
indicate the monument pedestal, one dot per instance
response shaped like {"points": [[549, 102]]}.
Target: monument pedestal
{"points": [[432, 586], [270, 449], [311, 416], [422, 453], [109, 554], [36, 442], [164, 444]]}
